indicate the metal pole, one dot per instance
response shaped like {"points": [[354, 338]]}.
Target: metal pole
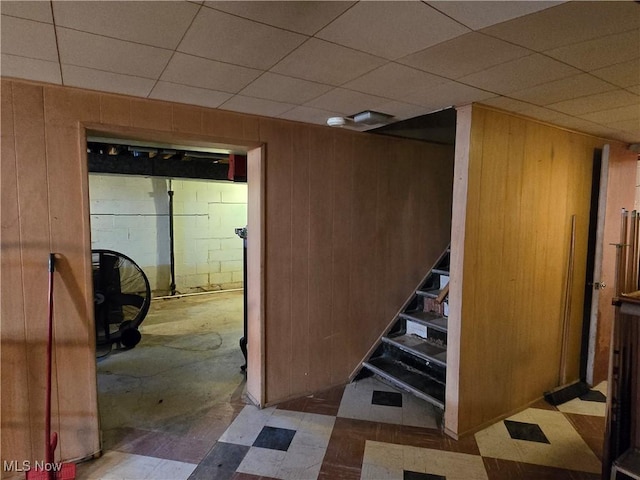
{"points": [[171, 242]]}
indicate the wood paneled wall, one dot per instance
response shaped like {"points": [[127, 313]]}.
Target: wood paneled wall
{"points": [[352, 222], [513, 205]]}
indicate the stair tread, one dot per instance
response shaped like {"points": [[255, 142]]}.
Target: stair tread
{"points": [[420, 347], [441, 271], [430, 319], [431, 293], [409, 378]]}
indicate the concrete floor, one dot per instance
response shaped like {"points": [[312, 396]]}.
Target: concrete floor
{"points": [[181, 386]]}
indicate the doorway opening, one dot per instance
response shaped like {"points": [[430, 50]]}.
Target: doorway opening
{"points": [[174, 393]]}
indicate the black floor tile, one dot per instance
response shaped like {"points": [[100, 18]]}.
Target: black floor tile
{"points": [[594, 396], [526, 431], [390, 399], [275, 438], [211, 473], [409, 475], [225, 456]]}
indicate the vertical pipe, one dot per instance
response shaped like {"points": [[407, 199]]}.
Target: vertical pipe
{"points": [[620, 273], [631, 255], [636, 256], [171, 241]]}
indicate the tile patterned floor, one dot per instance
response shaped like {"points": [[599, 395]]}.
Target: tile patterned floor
{"points": [[371, 431]]}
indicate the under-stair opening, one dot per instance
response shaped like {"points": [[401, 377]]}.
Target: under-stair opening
{"points": [[412, 355]]}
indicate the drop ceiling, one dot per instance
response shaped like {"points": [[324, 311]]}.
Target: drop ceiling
{"points": [[573, 64]]}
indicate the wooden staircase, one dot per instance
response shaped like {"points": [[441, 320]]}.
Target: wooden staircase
{"points": [[413, 354]]}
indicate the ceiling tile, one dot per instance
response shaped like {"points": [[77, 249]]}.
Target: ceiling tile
{"points": [[585, 126], [571, 22], [523, 108], [563, 89], [393, 81], [508, 104], [305, 17], [39, 11], [30, 69], [540, 113], [391, 29], [601, 52], [161, 24], [325, 62], [108, 54], [605, 117], [279, 88], [346, 102], [227, 38], [27, 38], [464, 55], [106, 81], [256, 106], [209, 74], [632, 126], [480, 14], [624, 74], [595, 103], [173, 92], [309, 115], [447, 94], [519, 74]]}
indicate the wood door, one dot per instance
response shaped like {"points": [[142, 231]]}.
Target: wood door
{"points": [[617, 192]]}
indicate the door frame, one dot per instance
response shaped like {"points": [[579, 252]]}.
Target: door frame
{"points": [[255, 151], [597, 264]]}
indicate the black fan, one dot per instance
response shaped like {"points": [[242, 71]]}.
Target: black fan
{"points": [[121, 298]]}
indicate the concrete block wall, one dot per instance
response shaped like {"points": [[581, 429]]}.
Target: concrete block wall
{"points": [[129, 214], [208, 252]]}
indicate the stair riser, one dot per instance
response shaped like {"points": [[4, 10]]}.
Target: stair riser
{"points": [[432, 369]]}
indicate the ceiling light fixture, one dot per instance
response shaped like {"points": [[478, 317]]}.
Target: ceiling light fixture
{"points": [[369, 117]]}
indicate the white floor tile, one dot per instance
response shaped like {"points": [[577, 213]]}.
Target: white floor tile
{"points": [[582, 407], [301, 463], [384, 460], [247, 426], [356, 404], [566, 449], [115, 465], [262, 461]]}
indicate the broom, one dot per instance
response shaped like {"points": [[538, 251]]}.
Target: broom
{"points": [[50, 470], [565, 392]]}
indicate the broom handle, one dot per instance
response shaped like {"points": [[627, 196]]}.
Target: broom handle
{"points": [[47, 427]]}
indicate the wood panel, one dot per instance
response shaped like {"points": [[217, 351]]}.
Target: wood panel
{"points": [[525, 180], [301, 265], [33, 202], [338, 207], [321, 212], [340, 174], [278, 238], [14, 355], [73, 293], [456, 265], [255, 275]]}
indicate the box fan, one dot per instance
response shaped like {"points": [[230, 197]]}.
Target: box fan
{"points": [[121, 298]]}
